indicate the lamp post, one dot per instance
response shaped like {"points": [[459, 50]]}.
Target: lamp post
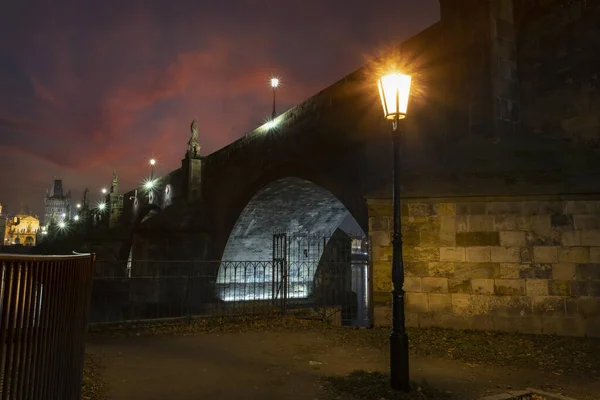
{"points": [[394, 90], [274, 85], [152, 164]]}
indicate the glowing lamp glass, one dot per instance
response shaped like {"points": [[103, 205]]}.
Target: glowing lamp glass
{"points": [[101, 206], [274, 82], [394, 90], [78, 205], [104, 190], [149, 184], [76, 218], [152, 161], [61, 225]]}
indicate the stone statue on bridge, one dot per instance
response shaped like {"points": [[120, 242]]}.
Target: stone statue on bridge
{"points": [[193, 145]]}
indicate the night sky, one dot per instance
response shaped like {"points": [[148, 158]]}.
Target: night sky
{"points": [[88, 87]]}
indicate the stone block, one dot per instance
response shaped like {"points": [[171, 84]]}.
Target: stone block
{"points": [[527, 271], [563, 271], [380, 238], [588, 307], [518, 324], [434, 285], [382, 315], [593, 288], [470, 208], [571, 238], [428, 224], [481, 223], [478, 254], [559, 288], [411, 238], [563, 222], [412, 320], [420, 209], [571, 308], [445, 209], [414, 268], [412, 284], [477, 239], [440, 303], [586, 222], [542, 271], [545, 238], [408, 253], [537, 287], [542, 207], [563, 326], [592, 327], [553, 306], [429, 239], [512, 239], [465, 304], [509, 287], [579, 288], [456, 285], [545, 254], [417, 302], [510, 270], [427, 254], [476, 270], [578, 207], [594, 254], [505, 223], [447, 231], [385, 253], [504, 207], [540, 223], [510, 306], [482, 286], [452, 254], [462, 223], [441, 269], [573, 254], [526, 254], [587, 271], [590, 238], [506, 254]]}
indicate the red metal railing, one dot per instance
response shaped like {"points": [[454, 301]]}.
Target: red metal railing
{"points": [[44, 307]]}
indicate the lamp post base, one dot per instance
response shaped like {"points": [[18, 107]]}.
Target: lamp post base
{"points": [[399, 374]]}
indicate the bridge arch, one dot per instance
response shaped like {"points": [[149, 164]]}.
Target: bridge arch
{"points": [[303, 210]]}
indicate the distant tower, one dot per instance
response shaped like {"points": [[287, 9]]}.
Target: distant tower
{"points": [[192, 164], [57, 204], [115, 202]]}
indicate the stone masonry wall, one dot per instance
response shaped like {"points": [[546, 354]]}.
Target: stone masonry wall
{"points": [[529, 266]]}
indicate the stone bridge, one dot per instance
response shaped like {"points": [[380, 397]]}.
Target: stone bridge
{"points": [[501, 193]]}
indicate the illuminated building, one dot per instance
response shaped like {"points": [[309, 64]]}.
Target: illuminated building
{"points": [[56, 205], [22, 229]]}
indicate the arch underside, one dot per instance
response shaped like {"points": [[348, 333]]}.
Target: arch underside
{"points": [[308, 215]]}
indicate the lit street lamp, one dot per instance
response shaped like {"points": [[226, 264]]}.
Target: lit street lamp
{"points": [[274, 85], [394, 90], [152, 164], [104, 191]]}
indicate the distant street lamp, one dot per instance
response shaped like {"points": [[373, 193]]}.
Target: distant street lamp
{"points": [[101, 206], [274, 85], [78, 205], [394, 90], [152, 164], [104, 191]]}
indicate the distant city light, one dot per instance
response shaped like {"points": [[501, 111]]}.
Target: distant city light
{"points": [[104, 191], [274, 82], [62, 225], [76, 218], [78, 205]]}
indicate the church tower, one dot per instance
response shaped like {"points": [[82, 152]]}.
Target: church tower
{"points": [[115, 202], [481, 80]]}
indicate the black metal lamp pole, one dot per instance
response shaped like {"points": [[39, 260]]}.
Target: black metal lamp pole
{"points": [[399, 374], [273, 114]]}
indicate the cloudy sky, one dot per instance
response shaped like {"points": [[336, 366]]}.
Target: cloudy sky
{"points": [[88, 87]]}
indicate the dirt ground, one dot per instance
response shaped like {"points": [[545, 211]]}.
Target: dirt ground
{"points": [[289, 365]]}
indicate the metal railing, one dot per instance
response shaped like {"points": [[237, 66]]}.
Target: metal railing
{"points": [[44, 308], [147, 290]]}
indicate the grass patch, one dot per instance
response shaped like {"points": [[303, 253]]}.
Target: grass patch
{"points": [[93, 386], [365, 385], [554, 354]]}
